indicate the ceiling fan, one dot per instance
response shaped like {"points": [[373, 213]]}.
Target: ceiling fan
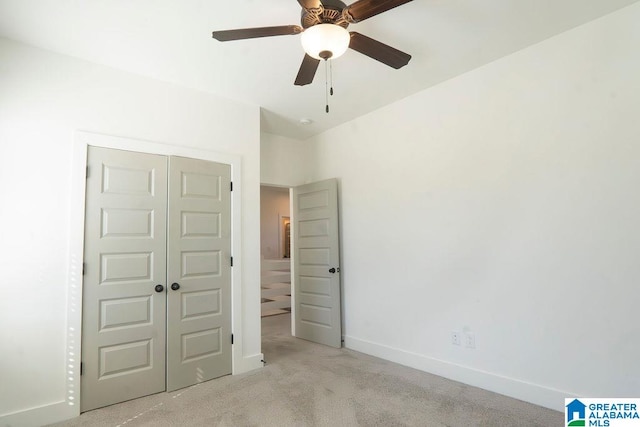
{"points": [[324, 34]]}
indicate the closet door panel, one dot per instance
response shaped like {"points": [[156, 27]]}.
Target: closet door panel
{"points": [[199, 272], [124, 317]]}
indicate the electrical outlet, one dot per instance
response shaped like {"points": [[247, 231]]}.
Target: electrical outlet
{"points": [[470, 340], [455, 338]]}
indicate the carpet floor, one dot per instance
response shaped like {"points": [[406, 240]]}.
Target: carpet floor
{"points": [[306, 384]]}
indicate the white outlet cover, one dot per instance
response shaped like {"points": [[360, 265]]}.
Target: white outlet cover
{"points": [[470, 340], [455, 338]]}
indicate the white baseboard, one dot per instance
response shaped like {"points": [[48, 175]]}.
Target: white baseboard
{"points": [[60, 411], [522, 390], [36, 417], [247, 363]]}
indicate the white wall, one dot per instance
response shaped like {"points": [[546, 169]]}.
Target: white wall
{"points": [[504, 202], [283, 161], [274, 204], [44, 99]]}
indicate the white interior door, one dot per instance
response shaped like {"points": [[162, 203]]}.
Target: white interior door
{"points": [[157, 283], [316, 263], [123, 336], [199, 272]]}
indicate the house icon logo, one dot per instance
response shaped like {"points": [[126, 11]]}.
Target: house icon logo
{"points": [[575, 413]]}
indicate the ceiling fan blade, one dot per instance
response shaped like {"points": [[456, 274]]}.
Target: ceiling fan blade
{"points": [[307, 71], [379, 51], [252, 33], [364, 9], [310, 4]]}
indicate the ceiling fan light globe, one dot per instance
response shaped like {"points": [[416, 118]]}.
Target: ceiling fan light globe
{"points": [[322, 38]]}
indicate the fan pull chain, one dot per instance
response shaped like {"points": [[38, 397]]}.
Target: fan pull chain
{"points": [[328, 82], [331, 78], [326, 87]]}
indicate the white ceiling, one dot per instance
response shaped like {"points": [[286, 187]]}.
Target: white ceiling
{"points": [[171, 40]]}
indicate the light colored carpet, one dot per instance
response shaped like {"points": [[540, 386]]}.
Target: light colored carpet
{"points": [[306, 384]]}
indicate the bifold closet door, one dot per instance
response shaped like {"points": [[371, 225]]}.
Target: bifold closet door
{"points": [[199, 272], [124, 302]]}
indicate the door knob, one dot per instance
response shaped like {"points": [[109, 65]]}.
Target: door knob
{"points": [[159, 288], [332, 270], [175, 286]]}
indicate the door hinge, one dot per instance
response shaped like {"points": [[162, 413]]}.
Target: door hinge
{"points": [[83, 266], [81, 368], [87, 173], [231, 338], [231, 260], [231, 186]]}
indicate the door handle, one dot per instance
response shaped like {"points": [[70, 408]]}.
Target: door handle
{"points": [[175, 286], [333, 270], [159, 288]]}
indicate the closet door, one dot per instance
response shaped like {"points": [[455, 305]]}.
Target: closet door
{"points": [[124, 289], [199, 272]]}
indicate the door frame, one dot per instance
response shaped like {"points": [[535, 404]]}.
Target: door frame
{"points": [[78, 165]]}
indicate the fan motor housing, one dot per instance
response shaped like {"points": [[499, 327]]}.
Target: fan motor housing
{"points": [[331, 12]]}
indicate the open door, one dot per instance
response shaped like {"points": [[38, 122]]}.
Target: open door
{"points": [[316, 263]]}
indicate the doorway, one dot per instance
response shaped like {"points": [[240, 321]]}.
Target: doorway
{"points": [[275, 251], [314, 258]]}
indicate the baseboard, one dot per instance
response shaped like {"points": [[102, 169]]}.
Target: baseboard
{"points": [[42, 415], [248, 363], [522, 390]]}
